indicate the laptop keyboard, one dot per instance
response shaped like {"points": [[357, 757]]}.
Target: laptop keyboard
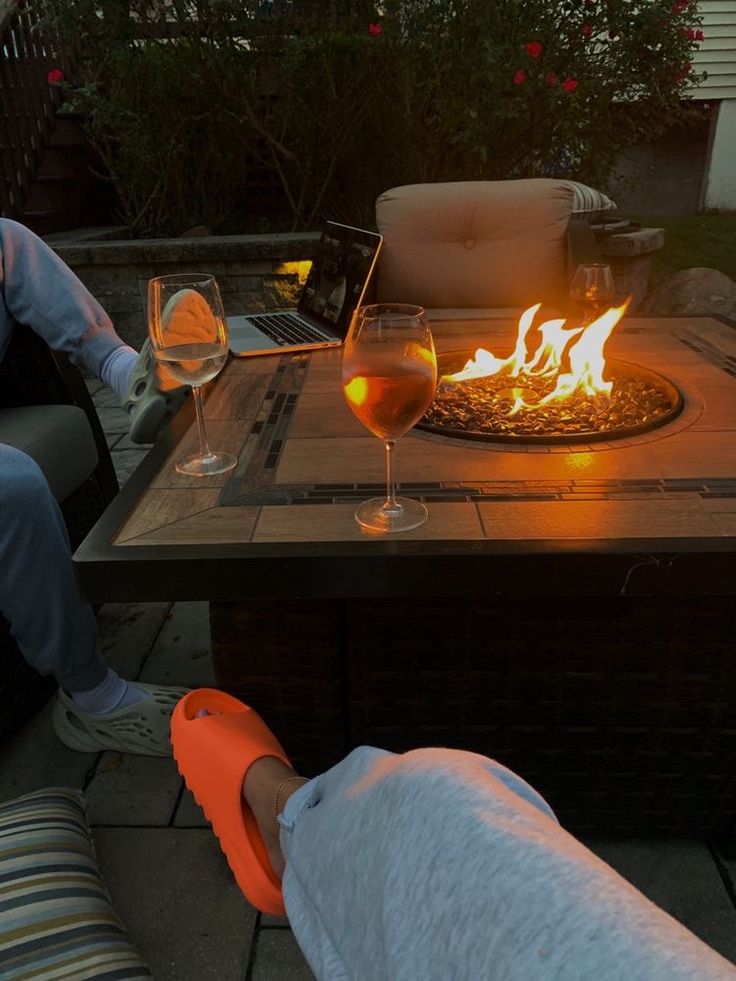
{"points": [[287, 329]]}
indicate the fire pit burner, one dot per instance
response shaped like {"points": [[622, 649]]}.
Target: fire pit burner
{"points": [[640, 400]]}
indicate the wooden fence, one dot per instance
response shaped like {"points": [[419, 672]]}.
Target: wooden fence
{"points": [[28, 51]]}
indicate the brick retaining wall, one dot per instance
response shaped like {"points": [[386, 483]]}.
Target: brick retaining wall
{"points": [[255, 272]]}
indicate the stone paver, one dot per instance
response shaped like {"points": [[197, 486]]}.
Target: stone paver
{"points": [[181, 652], [33, 758], [188, 813], [133, 790], [127, 461], [278, 957], [126, 443], [114, 418], [128, 632], [179, 902], [105, 398]]}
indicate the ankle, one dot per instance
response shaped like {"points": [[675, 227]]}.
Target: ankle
{"points": [[263, 779], [267, 786], [284, 790]]}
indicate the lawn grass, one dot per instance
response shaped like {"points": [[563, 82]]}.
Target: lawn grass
{"points": [[693, 240]]}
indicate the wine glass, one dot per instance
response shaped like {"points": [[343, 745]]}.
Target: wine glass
{"points": [[389, 374], [592, 290], [186, 324]]}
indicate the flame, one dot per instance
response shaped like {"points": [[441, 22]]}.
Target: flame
{"points": [[582, 347]]}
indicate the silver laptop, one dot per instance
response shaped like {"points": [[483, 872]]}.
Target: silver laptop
{"points": [[341, 269]]}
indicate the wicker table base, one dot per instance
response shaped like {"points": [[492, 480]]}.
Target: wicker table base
{"points": [[620, 710]]}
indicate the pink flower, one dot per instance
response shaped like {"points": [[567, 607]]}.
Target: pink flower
{"points": [[375, 30], [699, 36], [55, 76], [534, 49], [551, 79], [520, 77], [570, 84]]}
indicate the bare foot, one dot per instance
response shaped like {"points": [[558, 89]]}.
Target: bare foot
{"points": [[259, 790]]}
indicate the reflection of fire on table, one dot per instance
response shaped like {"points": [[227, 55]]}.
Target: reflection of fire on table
{"points": [[564, 388]]}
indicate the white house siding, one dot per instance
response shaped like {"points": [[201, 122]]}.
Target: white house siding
{"points": [[717, 56]]}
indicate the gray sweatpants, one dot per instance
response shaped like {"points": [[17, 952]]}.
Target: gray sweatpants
{"points": [[441, 864]]}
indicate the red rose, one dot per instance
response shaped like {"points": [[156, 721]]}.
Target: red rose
{"points": [[520, 77], [551, 79], [699, 36], [570, 84], [679, 6], [612, 35], [534, 49], [55, 76], [587, 30], [375, 30]]}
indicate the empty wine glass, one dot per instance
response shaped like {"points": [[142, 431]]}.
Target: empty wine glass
{"points": [[592, 290], [389, 374], [186, 324]]}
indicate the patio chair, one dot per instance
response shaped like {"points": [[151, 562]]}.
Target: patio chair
{"points": [[46, 411], [498, 245]]}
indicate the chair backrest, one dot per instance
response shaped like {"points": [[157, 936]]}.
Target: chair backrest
{"points": [[474, 243]]}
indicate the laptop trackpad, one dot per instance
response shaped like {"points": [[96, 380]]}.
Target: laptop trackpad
{"points": [[245, 336]]}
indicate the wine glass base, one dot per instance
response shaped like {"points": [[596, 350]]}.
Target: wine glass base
{"points": [[373, 515], [206, 466]]}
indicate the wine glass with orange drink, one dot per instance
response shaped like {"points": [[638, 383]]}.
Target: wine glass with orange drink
{"points": [[389, 374], [592, 290]]}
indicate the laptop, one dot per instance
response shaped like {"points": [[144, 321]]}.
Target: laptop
{"points": [[337, 282]]}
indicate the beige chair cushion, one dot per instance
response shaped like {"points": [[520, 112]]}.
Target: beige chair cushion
{"points": [[58, 438], [474, 243]]}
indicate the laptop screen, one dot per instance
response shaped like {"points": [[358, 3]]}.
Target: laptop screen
{"points": [[339, 275]]}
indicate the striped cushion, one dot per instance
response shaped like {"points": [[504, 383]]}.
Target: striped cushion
{"points": [[586, 200], [56, 921]]}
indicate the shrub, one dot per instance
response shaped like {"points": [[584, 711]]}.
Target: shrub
{"points": [[236, 115]]}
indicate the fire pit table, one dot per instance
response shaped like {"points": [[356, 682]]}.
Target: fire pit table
{"points": [[568, 608]]}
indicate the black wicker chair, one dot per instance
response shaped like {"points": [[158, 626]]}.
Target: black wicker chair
{"points": [[32, 374]]}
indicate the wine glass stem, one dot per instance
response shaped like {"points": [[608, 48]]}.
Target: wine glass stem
{"points": [[391, 503], [204, 447]]}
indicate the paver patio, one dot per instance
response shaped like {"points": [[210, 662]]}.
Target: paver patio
{"points": [[167, 877]]}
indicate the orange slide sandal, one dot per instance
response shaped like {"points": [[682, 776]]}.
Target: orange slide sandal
{"points": [[214, 753]]}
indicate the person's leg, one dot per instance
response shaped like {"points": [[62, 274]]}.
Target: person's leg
{"points": [[41, 291], [439, 864], [56, 631]]}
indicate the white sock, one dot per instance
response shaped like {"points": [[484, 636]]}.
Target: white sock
{"points": [[116, 369], [112, 693]]}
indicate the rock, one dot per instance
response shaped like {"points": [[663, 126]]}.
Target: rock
{"points": [[698, 291]]}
